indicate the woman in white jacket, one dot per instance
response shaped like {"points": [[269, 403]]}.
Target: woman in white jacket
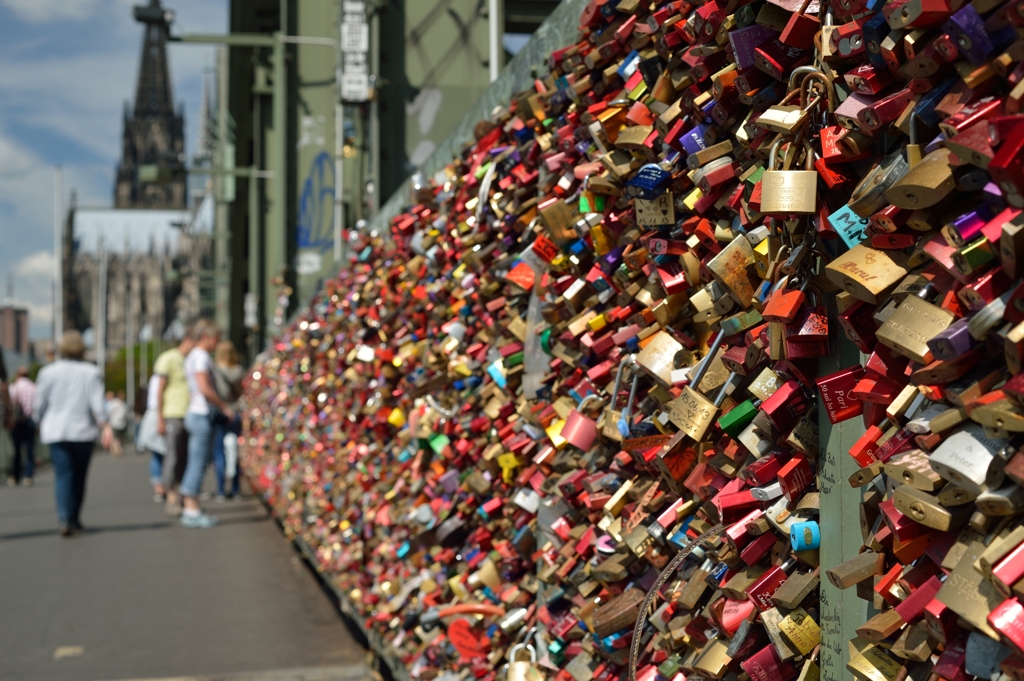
{"points": [[72, 413]]}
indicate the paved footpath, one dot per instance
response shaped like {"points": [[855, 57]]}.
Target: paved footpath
{"points": [[136, 596]]}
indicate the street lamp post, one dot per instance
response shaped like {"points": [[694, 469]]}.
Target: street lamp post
{"points": [[58, 258], [129, 341]]}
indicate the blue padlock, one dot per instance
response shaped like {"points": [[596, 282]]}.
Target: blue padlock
{"points": [[805, 536], [649, 182]]}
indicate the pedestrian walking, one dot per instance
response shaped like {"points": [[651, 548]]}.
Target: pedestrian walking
{"points": [[151, 441], [23, 432], [227, 375], [205, 408], [72, 413], [117, 411], [6, 406], [172, 404]]}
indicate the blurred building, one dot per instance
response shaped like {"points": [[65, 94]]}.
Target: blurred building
{"points": [[14, 329]]}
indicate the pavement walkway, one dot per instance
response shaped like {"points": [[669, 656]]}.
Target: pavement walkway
{"points": [[136, 596]]}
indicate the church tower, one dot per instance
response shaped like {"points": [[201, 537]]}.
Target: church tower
{"points": [[151, 173]]}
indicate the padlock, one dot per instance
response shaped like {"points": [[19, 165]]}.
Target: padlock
{"points": [[883, 111], [789, 191], [523, 670], [867, 273], [612, 416], [800, 29], [785, 118], [914, 323], [784, 303], [777, 59], [848, 112], [868, 79], [847, 40]]}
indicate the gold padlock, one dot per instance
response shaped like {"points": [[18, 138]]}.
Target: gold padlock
{"points": [[927, 183], [789, 191], [785, 118], [523, 670]]}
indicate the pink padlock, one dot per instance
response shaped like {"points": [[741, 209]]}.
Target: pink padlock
{"points": [[579, 431]]}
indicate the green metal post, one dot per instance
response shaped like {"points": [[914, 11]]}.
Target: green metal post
{"points": [[276, 251], [255, 247], [841, 611]]}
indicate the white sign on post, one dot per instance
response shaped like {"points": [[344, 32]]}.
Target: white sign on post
{"points": [[355, 87], [355, 43], [355, 37]]}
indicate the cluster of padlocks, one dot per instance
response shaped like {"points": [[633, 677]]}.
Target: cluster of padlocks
{"points": [[563, 421]]}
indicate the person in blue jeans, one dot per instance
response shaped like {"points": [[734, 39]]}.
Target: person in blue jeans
{"points": [[227, 375], [205, 407], [72, 413]]}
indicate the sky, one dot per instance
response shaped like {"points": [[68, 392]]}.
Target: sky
{"points": [[67, 67]]}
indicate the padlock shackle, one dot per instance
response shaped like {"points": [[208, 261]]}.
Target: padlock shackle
{"points": [[773, 156], [724, 391], [627, 413], [586, 400], [800, 70], [805, 89], [436, 406], [519, 646], [530, 633], [706, 361], [628, 359]]}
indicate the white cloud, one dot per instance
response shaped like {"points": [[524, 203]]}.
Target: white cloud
{"points": [[39, 264], [15, 160], [39, 11]]}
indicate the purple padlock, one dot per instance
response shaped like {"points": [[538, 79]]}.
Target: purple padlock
{"points": [[693, 139], [952, 341], [967, 28], [745, 40]]}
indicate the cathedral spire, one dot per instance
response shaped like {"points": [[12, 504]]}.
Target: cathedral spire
{"points": [[152, 172], [205, 138], [153, 90]]}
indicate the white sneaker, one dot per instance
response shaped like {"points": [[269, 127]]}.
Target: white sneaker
{"points": [[201, 521]]}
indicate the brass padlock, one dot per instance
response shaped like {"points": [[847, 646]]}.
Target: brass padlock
{"points": [[789, 191], [658, 357], [785, 118], [927, 183], [523, 670]]}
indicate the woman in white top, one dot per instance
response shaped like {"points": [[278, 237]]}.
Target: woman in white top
{"points": [[72, 413], [205, 405]]}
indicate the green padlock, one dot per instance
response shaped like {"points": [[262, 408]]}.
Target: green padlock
{"points": [[739, 417]]}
